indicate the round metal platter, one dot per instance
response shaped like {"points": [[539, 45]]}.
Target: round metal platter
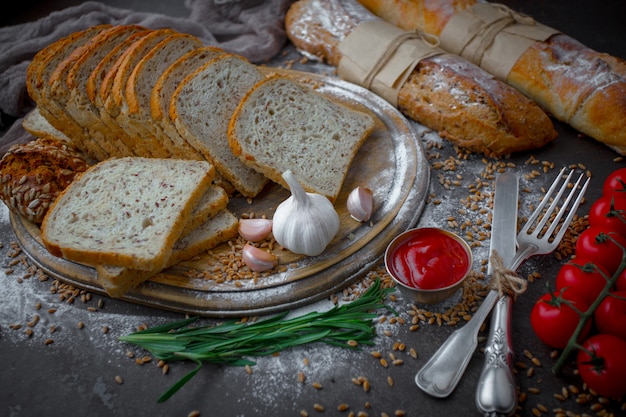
{"points": [[391, 163]]}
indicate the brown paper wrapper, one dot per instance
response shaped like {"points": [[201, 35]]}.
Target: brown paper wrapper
{"points": [[379, 56], [492, 36]]}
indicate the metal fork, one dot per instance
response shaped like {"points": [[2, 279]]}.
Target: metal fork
{"points": [[439, 376], [542, 233]]}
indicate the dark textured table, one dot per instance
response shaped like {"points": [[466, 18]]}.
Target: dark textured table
{"points": [[69, 365]]}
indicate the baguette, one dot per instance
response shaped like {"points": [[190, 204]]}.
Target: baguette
{"points": [[446, 93], [126, 211], [316, 138], [117, 280], [574, 83]]}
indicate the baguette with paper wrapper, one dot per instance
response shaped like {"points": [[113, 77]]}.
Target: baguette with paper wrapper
{"points": [[576, 84], [444, 92]]}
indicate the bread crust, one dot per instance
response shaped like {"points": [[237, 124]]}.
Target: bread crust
{"points": [[487, 116], [575, 84]]}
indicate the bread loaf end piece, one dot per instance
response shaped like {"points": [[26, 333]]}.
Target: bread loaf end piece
{"points": [[282, 125], [201, 108], [126, 212]]}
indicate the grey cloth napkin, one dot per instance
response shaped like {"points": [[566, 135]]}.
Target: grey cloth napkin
{"points": [[251, 28]]}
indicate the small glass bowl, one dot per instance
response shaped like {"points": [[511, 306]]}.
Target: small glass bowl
{"points": [[413, 291]]}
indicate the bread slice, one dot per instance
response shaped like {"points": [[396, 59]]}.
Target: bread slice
{"points": [[281, 125], [126, 211], [113, 88], [38, 126], [164, 89], [100, 78], [117, 280], [213, 201], [69, 88], [38, 77], [135, 109], [201, 108]]}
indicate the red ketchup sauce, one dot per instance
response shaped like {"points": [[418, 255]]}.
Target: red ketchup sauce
{"points": [[429, 260]]}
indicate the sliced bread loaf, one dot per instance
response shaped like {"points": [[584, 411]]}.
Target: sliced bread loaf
{"points": [[164, 89], [281, 125], [117, 280], [38, 78], [135, 109], [126, 211], [201, 108], [71, 89], [114, 85]]}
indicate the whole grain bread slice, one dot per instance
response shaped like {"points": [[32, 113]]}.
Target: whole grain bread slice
{"points": [[38, 77], [213, 201], [117, 280], [281, 125], [135, 110], [38, 126], [71, 89], [201, 107], [164, 89], [126, 211], [113, 88], [99, 82]]}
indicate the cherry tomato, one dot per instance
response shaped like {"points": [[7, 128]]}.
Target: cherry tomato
{"points": [[594, 244], [554, 321], [602, 364], [607, 211], [610, 316], [583, 277], [615, 184]]}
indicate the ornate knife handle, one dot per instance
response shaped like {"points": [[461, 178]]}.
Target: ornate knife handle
{"points": [[495, 393]]}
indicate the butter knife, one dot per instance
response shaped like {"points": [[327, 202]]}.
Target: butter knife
{"points": [[441, 374]]}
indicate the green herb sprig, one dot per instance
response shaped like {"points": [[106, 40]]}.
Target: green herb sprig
{"points": [[231, 342]]}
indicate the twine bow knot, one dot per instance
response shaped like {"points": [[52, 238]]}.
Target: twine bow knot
{"points": [[503, 280]]}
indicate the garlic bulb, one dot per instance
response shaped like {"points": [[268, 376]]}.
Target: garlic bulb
{"points": [[254, 230], [257, 259], [305, 223], [360, 204]]}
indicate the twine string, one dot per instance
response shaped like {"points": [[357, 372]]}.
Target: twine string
{"points": [[505, 281]]}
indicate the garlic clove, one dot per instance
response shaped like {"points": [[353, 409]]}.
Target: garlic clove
{"points": [[255, 230], [257, 259], [361, 204]]}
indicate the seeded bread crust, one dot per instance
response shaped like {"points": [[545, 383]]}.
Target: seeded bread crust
{"points": [[446, 93], [223, 226], [126, 211], [201, 108], [316, 139], [34, 174]]}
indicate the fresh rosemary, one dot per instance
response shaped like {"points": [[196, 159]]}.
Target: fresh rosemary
{"points": [[231, 342]]}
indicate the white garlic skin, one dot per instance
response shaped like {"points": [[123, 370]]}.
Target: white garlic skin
{"points": [[255, 230], [304, 223], [257, 259], [360, 204]]}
